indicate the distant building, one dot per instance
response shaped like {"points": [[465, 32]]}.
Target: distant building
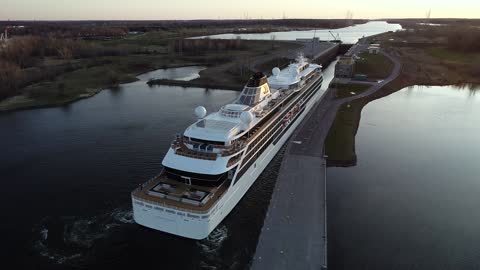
{"points": [[345, 67], [373, 50]]}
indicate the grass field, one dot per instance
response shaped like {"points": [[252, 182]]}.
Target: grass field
{"points": [[340, 142], [349, 90], [448, 55], [375, 66]]}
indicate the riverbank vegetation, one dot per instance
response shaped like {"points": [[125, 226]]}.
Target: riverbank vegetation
{"points": [[440, 54], [340, 141], [343, 90], [374, 66], [443, 54], [53, 68]]}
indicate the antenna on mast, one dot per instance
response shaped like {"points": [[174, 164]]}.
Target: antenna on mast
{"points": [[428, 14]]}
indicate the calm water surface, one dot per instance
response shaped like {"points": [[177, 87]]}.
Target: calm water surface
{"points": [[412, 201], [349, 34], [67, 174]]}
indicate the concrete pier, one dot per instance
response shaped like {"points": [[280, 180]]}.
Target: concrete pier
{"points": [[294, 234]]}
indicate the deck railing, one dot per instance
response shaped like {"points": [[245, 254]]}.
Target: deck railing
{"points": [[179, 145], [184, 209]]}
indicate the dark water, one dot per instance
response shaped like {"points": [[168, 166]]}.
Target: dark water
{"points": [[67, 173], [412, 201], [348, 35]]}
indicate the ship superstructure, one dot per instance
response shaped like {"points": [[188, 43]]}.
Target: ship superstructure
{"points": [[209, 167]]}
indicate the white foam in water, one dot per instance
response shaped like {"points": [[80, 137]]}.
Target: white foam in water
{"points": [[41, 246], [79, 234], [83, 232], [123, 215], [214, 241], [210, 247]]}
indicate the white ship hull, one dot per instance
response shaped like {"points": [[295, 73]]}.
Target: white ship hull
{"points": [[190, 225]]}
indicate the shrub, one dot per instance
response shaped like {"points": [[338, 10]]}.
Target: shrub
{"points": [[9, 76]]}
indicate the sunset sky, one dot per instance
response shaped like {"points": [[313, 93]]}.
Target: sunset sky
{"points": [[223, 9]]}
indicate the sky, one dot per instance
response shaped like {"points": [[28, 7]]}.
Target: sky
{"points": [[227, 9]]}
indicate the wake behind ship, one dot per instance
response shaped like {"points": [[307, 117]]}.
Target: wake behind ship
{"points": [[209, 168]]}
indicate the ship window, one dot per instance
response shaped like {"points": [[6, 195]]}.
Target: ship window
{"points": [[196, 178], [248, 100], [242, 99], [205, 141]]}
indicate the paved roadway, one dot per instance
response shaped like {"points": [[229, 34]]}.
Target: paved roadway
{"points": [[294, 234]]}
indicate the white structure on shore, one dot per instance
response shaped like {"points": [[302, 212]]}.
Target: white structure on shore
{"points": [[374, 49]]}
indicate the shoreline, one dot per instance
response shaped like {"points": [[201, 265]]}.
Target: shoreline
{"points": [[195, 84], [95, 82], [40, 104]]}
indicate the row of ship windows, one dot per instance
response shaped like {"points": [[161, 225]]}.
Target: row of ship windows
{"points": [[250, 91], [257, 140], [247, 100], [171, 211], [231, 114], [272, 129]]}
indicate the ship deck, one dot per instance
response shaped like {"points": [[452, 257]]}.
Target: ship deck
{"points": [[180, 196]]}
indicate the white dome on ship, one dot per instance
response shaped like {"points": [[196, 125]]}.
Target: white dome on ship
{"points": [[246, 117], [275, 71], [200, 112], [294, 71]]}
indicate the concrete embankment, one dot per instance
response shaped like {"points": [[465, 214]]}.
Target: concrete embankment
{"points": [[294, 234]]}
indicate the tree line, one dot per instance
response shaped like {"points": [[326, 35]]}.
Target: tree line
{"points": [[205, 44], [21, 59]]}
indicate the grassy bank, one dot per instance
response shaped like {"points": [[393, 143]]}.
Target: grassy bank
{"points": [[349, 90], [88, 76], [375, 66], [430, 56], [427, 57], [87, 81], [340, 142]]}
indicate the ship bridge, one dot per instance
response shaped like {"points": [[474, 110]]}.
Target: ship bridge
{"points": [[234, 119]]}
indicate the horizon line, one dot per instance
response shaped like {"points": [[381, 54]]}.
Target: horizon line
{"points": [[233, 19]]}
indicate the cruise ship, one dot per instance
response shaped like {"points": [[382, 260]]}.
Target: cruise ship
{"points": [[209, 168]]}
